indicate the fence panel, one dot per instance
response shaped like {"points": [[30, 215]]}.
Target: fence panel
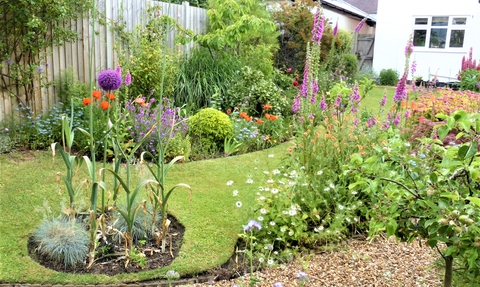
{"points": [[76, 56]]}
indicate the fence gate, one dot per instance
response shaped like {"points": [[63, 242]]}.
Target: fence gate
{"points": [[363, 48]]}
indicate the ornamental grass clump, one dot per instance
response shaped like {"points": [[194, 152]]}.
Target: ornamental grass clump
{"points": [[62, 240]]}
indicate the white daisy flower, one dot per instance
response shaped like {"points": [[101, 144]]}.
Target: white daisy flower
{"points": [[238, 204], [354, 192], [262, 198], [249, 181], [267, 188], [319, 172], [331, 185], [274, 190], [266, 172], [340, 207], [261, 259], [272, 223], [270, 262], [270, 181], [260, 218], [230, 182], [276, 171], [235, 192], [292, 212], [263, 211], [271, 155]]}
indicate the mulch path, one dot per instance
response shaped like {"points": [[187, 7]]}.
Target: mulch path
{"points": [[357, 262]]}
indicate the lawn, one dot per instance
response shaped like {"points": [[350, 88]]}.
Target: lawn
{"points": [[29, 192]]}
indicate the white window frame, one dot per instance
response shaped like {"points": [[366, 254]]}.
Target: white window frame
{"points": [[450, 26]]}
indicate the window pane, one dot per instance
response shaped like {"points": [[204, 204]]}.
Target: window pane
{"points": [[421, 21], [439, 21], [419, 37], [438, 38], [456, 38], [459, 21]]}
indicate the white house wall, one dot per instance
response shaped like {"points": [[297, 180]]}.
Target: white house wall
{"points": [[345, 22], [395, 21]]}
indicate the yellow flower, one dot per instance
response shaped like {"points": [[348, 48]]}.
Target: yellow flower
{"points": [[146, 69]]}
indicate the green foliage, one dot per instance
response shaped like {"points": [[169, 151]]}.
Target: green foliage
{"points": [[178, 146], [68, 88], [350, 63], [29, 28], [152, 65], [252, 91], [430, 192], [204, 74], [62, 240], [469, 80], [6, 143], [243, 29], [210, 126], [143, 226], [388, 77]]}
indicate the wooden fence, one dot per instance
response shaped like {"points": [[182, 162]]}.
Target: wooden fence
{"points": [[77, 55]]}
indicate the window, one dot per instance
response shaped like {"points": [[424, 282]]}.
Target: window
{"points": [[439, 32]]}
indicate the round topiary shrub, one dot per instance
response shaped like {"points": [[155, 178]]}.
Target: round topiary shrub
{"points": [[210, 127], [388, 77], [62, 240]]}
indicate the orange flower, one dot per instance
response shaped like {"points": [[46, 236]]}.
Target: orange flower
{"points": [[414, 105], [97, 94], [229, 111], [248, 119], [404, 104], [273, 118], [243, 115], [267, 107], [259, 121], [86, 101], [140, 101], [267, 116], [104, 105], [110, 96]]}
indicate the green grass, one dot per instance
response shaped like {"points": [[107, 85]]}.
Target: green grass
{"points": [[28, 189], [373, 98]]}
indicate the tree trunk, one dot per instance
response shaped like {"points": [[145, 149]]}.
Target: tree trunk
{"points": [[447, 282]]}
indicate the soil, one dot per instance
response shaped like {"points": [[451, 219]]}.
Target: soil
{"points": [[115, 262]]}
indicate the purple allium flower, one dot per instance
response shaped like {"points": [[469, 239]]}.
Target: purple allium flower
{"points": [[128, 79], [335, 29], [252, 224], [278, 284], [383, 102], [296, 104], [360, 25], [323, 104], [109, 80]]}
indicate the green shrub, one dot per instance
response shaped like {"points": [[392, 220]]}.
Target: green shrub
{"points": [[469, 79], [350, 63], [252, 92], [388, 77], [62, 240], [210, 127], [178, 146]]}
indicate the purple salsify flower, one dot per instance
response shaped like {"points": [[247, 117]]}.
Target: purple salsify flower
{"points": [[128, 79], [360, 25], [252, 224], [323, 104], [296, 104], [109, 80]]}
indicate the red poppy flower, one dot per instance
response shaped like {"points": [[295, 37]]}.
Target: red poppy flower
{"points": [[97, 94], [243, 115], [229, 111], [267, 107], [110, 96], [259, 121], [104, 105], [86, 101]]}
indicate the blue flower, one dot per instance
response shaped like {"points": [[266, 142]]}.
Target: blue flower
{"points": [[251, 225]]}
